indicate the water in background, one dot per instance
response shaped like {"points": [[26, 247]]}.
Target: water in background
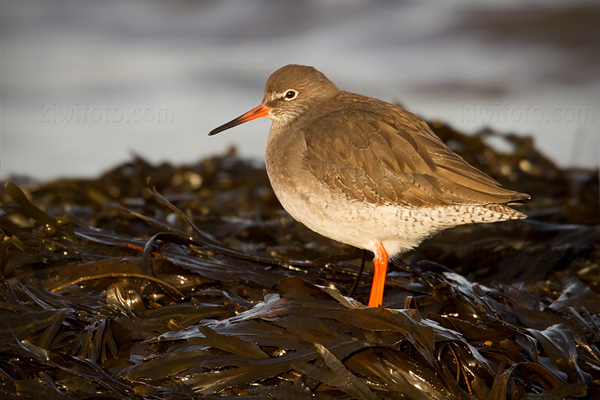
{"points": [[86, 84]]}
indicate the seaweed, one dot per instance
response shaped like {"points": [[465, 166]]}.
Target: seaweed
{"points": [[161, 281]]}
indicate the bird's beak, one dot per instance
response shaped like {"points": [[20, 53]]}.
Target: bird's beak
{"points": [[258, 112]]}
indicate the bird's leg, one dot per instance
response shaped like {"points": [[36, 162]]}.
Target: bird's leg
{"points": [[359, 274], [380, 262]]}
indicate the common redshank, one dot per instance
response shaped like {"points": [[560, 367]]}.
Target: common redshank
{"points": [[365, 172]]}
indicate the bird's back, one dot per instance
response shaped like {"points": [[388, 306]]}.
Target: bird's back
{"points": [[371, 151]]}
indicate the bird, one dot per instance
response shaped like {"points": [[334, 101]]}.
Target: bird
{"points": [[365, 172]]}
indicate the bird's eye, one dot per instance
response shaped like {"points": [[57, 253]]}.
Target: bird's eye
{"points": [[290, 95]]}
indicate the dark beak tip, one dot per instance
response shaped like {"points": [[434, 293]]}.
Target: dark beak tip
{"points": [[217, 130]]}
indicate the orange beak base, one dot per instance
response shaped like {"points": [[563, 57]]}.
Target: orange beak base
{"points": [[258, 112]]}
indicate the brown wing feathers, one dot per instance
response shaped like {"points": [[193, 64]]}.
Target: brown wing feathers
{"points": [[394, 161]]}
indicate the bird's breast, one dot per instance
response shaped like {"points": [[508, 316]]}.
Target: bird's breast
{"points": [[283, 158]]}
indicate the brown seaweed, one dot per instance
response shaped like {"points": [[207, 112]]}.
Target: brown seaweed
{"points": [[191, 282]]}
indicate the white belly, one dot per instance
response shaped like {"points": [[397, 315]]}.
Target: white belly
{"points": [[362, 224]]}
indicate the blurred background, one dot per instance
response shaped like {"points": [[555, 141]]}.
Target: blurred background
{"points": [[84, 85]]}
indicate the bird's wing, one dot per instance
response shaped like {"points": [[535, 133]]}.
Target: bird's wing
{"points": [[385, 156]]}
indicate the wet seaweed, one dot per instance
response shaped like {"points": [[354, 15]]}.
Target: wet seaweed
{"points": [[187, 282]]}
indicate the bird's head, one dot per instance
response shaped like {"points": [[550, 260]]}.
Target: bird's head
{"points": [[290, 91]]}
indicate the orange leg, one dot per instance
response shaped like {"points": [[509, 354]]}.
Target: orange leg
{"points": [[380, 262]]}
